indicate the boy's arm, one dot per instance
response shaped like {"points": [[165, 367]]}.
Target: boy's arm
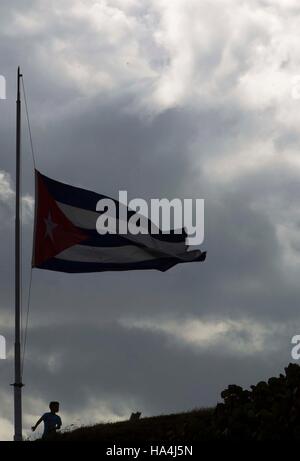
{"points": [[37, 423], [59, 424]]}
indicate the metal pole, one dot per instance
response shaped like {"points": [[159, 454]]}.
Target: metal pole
{"points": [[18, 378]]}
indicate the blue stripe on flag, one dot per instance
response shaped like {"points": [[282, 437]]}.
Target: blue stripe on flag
{"points": [[61, 265]]}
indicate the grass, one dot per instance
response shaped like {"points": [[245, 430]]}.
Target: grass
{"points": [[187, 427]]}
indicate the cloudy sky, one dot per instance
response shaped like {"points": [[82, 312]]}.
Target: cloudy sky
{"points": [[181, 98]]}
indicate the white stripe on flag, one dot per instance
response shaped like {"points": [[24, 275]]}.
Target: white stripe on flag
{"points": [[80, 217], [125, 254]]}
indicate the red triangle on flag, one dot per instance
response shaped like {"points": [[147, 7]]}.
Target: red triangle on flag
{"points": [[54, 232]]}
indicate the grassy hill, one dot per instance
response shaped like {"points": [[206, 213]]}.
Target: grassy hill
{"points": [[186, 427]]}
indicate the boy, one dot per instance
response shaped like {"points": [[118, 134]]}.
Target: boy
{"points": [[51, 420]]}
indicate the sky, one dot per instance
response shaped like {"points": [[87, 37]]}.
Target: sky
{"points": [[181, 98]]}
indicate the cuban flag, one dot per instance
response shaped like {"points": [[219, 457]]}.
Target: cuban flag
{"points": [[66, 238]]}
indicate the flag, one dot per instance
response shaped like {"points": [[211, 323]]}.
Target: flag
{"points": [[66, 238]]}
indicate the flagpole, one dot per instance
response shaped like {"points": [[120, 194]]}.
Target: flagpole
{"points": [[18, 378]]}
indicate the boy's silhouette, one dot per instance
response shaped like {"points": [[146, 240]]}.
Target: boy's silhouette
{"points": [[51, 420]]}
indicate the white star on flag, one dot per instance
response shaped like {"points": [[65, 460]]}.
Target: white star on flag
{"points": [[50, 226]]}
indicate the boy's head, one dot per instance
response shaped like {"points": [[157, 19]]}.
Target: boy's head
{"points": [[54, 407]]}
